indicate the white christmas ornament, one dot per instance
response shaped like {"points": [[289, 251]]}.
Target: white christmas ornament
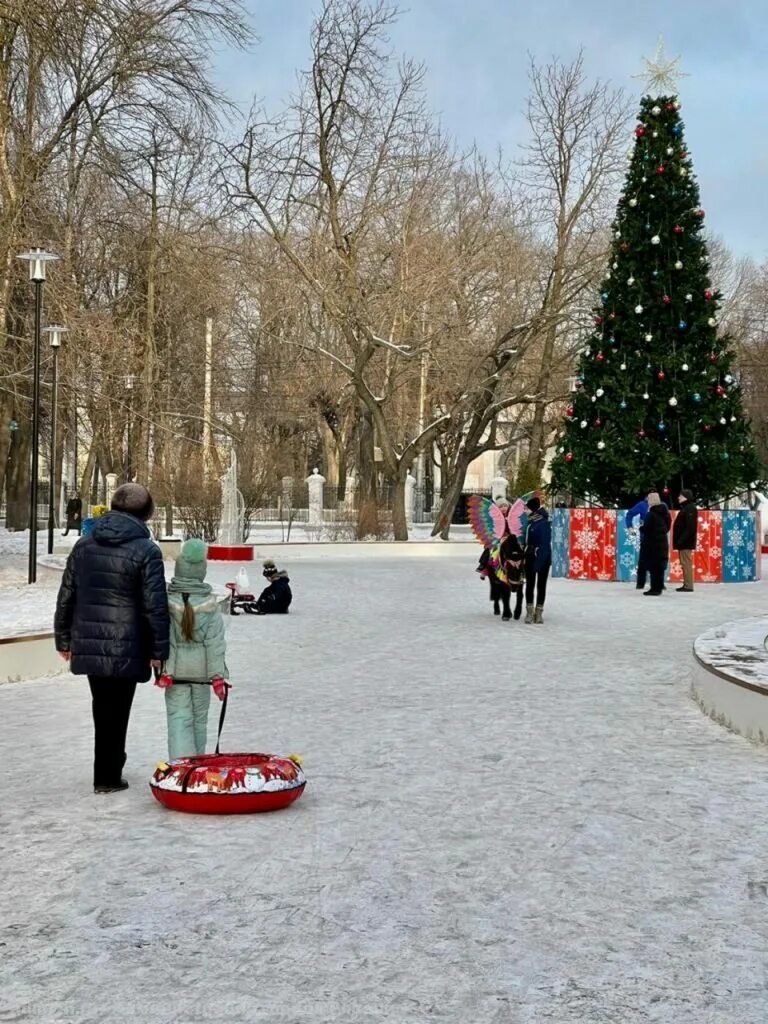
{"points": [[623, 366], [689, 297], [728, 379], [694, 448], [599, 392], [685, 366], [712, 322], [630, 281], [670, 150], [655, 240], [678, 264], [655, 135], [649, 337], [723, 420], [733, 419], [638, 309], [601, 445], [583, 424], [594, 399], [633, 202], [644, 179], [646, 396], [617, 233], [673, 400], [655, 111], [683, 172]]}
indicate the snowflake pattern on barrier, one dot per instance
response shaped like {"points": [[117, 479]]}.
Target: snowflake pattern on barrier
{"points": [[587, 540], [735, 538], [577, 567]]}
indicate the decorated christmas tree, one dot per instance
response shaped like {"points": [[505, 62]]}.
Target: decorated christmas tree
{"points": [[657, 402]]}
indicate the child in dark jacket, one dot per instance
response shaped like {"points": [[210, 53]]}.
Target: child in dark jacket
{"points": [[276, 598]]}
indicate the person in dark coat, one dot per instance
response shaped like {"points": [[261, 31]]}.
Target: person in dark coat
{"points": [[538, 559], [112, 621], [74, 514], [684, 538], [656, 541], [276, 598]]}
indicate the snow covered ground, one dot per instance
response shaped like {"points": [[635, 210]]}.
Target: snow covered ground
{"points": [[503, 823]]}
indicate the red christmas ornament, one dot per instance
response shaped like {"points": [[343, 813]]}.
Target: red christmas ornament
{"points": [[660, 169], [600, 357], [598, 422], [569, 411], [640, 131], [569, 456], [684, 154], [707, 294], [624, 246], [670, 107], [701, 213], [661, 375], [641, 433], [713, 357], [678, 230], [707, 427], [719, 390], [666, 299], [665, 491], [598, 321]]}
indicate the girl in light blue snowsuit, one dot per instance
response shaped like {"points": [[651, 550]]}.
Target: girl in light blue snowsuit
{"points": [[196, 663]]}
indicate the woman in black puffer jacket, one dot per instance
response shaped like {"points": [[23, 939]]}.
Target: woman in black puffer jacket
{"points": [[112, 621], [656, 542]]}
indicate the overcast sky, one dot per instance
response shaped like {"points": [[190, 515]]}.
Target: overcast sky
{"points": [[476, 56]]}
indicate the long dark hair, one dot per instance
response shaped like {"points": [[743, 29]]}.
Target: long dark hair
{"points": [[188, 619]]}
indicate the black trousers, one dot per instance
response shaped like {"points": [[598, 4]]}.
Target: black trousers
{"points": [[642, 567], [657, 567], [536, 583], [112, 700]]}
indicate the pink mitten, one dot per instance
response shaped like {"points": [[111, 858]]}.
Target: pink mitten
{"points": [[220, 686], [164, 681]]}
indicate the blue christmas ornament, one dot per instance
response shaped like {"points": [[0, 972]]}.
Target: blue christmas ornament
{"points": [[696, 396], [622, 404], [662, 425], [682, 325], [677, 130], [612, 340], [726, 455]]}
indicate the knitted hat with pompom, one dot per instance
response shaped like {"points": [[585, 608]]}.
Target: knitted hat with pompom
{"points": [[191, 563]]}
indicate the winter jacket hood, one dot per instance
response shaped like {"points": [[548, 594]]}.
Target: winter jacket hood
{"points": [[117, 528]]}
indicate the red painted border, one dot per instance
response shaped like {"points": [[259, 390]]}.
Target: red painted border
{"points": [[230, 553]]}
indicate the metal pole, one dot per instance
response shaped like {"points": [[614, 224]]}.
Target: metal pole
{"points": [[32, 574], [207, 433], [52, 484]]}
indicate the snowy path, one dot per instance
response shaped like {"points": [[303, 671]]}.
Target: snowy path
{"points": [[504, 823]]}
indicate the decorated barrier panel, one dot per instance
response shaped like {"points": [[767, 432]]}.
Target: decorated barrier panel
{"points": [[600, 547]]}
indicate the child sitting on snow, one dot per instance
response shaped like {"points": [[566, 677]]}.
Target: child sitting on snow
{"points": [[196, 663], [277, 597]]}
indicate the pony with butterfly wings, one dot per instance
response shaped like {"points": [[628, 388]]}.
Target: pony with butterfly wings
{"points": [[500, 528]]}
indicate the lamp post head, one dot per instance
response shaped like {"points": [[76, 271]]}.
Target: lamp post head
{"points": [[54, 332], [37, 258]]}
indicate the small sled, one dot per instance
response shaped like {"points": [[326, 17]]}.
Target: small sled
{"points": [[244, 602], [228, 783]]}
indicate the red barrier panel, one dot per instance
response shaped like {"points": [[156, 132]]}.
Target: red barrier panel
{"points": [[708, 559], [592, 548]]}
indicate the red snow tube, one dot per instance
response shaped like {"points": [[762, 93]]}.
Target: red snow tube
{"points": [[228, 783]]}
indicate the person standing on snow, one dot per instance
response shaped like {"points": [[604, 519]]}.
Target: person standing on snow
{"points": [[640, 510], [196, 662], [684, 538], [656, 540], [538, 560], [112, 621], [276, 598], [74, 514]]}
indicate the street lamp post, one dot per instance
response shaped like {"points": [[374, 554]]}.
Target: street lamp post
{"points": [[37, 259], [130, 382], [54, 333]]}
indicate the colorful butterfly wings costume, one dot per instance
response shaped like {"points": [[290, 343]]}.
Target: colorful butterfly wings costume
{"points": [[489, 522]]}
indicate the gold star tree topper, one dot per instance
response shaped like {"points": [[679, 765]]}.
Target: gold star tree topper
{"points": [[661, 72]]}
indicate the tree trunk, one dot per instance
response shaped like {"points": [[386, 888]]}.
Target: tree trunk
{"points": [[17, 483], [367, 503], [450, 498], [87, 481], [399, 521]]}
